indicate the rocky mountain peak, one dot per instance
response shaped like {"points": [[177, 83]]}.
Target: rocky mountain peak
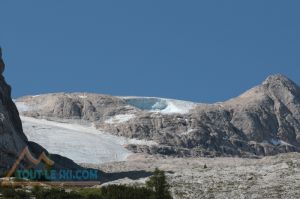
{"points": [[276, 78], [280, 81]]}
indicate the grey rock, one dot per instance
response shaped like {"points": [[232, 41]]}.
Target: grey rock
{"points": [[85, 106], [12, 139], [223, 177]]}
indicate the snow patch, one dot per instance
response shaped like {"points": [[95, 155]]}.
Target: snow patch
{"points": [[82, 96], [141, 142], [120, 118], [124, 181]]}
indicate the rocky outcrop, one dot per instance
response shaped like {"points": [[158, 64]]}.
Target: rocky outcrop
{"points": [[84, 106], [262, 121], [12, 138]]}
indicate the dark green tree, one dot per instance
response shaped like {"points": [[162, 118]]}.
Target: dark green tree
{"points": [[159, 185]]}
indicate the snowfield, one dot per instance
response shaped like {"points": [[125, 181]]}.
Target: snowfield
{"points": [[82, 144], [79, 143]]}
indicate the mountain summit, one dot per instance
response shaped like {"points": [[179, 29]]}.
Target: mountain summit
{"points": [[279, 79]]}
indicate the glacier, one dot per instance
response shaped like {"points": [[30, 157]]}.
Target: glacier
{"points": [[161, 105], [81, 144]]}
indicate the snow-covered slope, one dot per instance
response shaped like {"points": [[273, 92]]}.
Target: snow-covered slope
{"points": [[81, 144]]}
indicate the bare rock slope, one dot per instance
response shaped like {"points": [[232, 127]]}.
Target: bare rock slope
{"points": [[262, 121], [223, 177]]}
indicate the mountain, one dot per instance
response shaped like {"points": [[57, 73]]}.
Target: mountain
{"points": [[12, 138], [262, 121]]}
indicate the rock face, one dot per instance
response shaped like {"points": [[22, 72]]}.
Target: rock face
{"points": [[12, 138], [262, 121]]}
